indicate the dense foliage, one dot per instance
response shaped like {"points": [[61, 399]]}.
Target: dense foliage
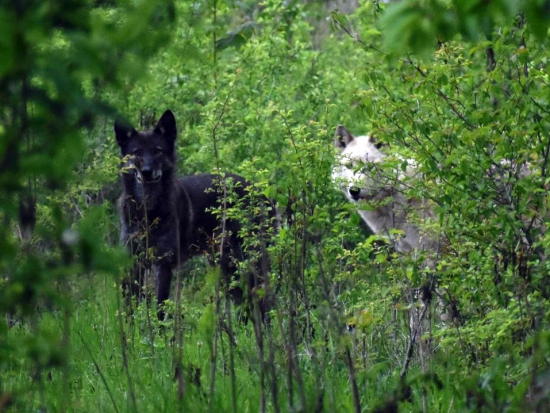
{"points": [[258, 90]]}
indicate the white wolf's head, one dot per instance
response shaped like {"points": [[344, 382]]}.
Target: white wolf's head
{"points": [[368, 178], [356, 169]]}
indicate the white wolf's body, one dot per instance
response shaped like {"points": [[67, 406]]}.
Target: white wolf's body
{"points": [[361, 173]]}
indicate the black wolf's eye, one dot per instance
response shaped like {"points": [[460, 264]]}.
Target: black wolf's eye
{"points": [[157, 151], [137, 152]]}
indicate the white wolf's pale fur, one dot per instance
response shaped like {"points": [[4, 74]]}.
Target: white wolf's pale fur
{"points": [[377, 189]]}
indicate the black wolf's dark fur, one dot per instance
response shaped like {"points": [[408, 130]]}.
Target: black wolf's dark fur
{"points": [[166, 220]]}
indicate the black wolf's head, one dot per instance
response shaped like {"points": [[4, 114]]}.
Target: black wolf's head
{"points": [[151, 154]]}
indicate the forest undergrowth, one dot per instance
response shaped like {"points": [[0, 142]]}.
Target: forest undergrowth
{"points": [[259, 90]]}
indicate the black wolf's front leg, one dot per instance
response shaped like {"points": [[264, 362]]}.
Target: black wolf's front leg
{"points": [[163, 273]]}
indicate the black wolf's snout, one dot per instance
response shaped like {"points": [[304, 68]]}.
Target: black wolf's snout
{"points": [[148, 173], [150, 176]]}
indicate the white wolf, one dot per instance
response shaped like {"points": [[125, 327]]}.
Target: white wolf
{"points": [[370, 179], [377, 183]]}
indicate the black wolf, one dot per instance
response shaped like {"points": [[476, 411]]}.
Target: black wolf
{"points": [[166, 220]]}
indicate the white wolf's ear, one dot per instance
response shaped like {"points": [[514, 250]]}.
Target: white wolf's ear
{"points": [[123, 132], [166, 126], [342, 137]]}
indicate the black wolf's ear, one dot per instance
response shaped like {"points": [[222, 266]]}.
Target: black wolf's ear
{"points": [[167, 126], [342, 137], [123, 132]]}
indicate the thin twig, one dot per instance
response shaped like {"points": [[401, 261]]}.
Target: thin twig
{"points": [[125, 357], [410, 347], [178, 330], [352, 379], [223, 184], [98, 369], [232, 344]]}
